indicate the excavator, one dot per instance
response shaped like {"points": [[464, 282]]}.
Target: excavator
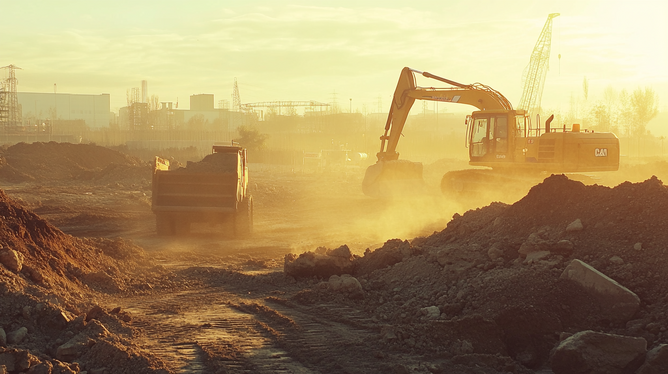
{"points": [[499, 138]]}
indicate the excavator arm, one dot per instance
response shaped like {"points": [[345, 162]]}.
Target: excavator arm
{"points": [[478, 95], [390, 176]]}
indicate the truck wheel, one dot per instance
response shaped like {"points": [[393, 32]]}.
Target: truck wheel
{"points": [[163, 225], [243, 220]]}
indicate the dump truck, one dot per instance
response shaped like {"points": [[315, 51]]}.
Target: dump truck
{"points": [[214, 191], [498, 137]]}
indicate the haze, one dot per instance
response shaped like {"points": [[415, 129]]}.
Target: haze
{"points": [[310, 50]]}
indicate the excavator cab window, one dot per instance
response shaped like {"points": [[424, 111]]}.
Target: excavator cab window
{"points": [[479, 137], [520, 127], [501, 134]]}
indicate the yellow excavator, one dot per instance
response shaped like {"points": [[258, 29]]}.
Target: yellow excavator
{"points": [[497, 136]]}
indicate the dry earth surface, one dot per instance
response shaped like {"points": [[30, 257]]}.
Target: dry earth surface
{"points": [[87, 286]]}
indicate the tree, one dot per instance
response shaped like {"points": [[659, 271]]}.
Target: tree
{"points": [[251, 138], [644, 105]]}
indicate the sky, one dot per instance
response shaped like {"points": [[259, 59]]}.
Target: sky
{"points": [[313, 50]]}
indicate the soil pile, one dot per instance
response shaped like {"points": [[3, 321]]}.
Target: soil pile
{"points": [[49, 282], [53, 161], [488, 286], [213, 163]]}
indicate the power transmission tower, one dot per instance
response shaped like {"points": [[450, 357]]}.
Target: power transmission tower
{"points": [[534, 75], [236, 98], [9, 101]]}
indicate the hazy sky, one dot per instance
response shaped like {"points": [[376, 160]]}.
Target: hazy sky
{"points": [[309, 50]]}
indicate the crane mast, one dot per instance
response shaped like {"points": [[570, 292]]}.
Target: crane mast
{"points": [[534, 75]]}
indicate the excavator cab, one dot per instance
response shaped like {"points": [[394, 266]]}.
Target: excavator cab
{"points": [[496, 136]]}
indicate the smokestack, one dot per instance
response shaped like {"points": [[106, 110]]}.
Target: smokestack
{"points": [[144, 91]]}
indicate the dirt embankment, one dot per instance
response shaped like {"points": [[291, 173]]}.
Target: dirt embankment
{"points": [[471, 293], [51, 284], [49, 162]]}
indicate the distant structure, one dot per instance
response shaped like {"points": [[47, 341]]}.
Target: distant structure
{"points": [[144, 91], [283, 107], [201, 102], [534, 75], [10, 116], [236, 98]]}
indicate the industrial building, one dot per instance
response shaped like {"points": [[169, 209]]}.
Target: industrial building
{"points": [[37, 107]]}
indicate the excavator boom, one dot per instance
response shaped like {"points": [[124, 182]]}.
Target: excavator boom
{"points": [[478, 95], [391, 176]]}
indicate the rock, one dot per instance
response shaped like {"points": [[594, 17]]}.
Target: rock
{"points": [[494, 252], [44, 367], [563, 247], [536, 256], [34, 274], [24, 359], [71, 349], [17, 336], [3, 338], [102, 280], [311, 264], [95, 313], [534, 243], [12, 259], [575, 226], [7, 361], [616, 260], [431, 312], [17, 360], [617, 302], [637, 246], [598, 353], [656, 361], [346, 284], [444, 257]]}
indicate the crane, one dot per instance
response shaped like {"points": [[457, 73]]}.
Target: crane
{"points": [[534, 75]]}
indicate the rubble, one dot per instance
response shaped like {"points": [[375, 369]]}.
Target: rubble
{"points": [[323, 265]]}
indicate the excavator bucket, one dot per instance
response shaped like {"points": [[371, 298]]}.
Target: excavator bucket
{"points": [[396, 178]]}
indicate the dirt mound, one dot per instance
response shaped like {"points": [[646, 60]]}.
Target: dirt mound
{"points": [[60, 161], [502, 264], [49, 282], [213, 163]]}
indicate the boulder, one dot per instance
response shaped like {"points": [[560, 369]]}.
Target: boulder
{"points": [[562, 247], [12, 259], [44, 367], [431, 312], [589, 352], [495, 252], [536, 256], [17, 336], [346, 284], [617, 302], [311, 264], [534, 243], [16, 360], [575, 226], [656, 361]]}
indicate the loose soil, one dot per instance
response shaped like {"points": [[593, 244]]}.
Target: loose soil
{"points": [[100, 292]]}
